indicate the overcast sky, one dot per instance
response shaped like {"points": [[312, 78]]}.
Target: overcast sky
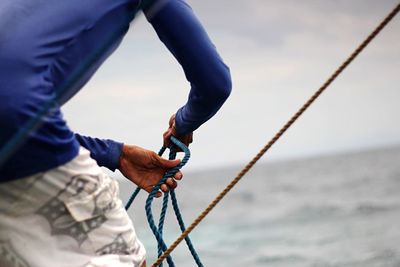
{"points": [[279, 53]]}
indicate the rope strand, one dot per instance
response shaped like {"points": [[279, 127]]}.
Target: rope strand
{"points": [[287, 125]]}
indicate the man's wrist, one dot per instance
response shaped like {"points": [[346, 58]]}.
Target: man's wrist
{"points": [[122, 156]]}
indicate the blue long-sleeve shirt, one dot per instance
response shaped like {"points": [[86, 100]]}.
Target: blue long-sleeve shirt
{"points": [[50, 49]]}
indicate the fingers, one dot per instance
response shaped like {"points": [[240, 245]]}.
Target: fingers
{"points": [[167, 164], [164, 188], [172, 131], [172, 120], [178, 175], [169, 184], [166, 136], [164, 165]]}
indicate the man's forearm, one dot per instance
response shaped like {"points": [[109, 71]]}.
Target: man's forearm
{"points": [[105, 151], [181, 32]]}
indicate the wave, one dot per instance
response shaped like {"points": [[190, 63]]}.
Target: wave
{"points": [[280, 259]]}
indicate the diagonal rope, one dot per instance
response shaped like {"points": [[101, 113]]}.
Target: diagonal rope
{"points": [[280, 133]]}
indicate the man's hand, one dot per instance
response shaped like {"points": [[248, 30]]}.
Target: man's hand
{"points": [[145, 168], [171, 131]]}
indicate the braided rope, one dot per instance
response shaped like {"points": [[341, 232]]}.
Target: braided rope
{"points": [[279, 133], [161, 221], [158, 231]]}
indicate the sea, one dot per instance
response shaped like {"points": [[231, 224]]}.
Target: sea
{"points": [[337, 210]]}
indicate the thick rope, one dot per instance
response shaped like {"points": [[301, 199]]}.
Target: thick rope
{"points": [[279, 133], [132, 198], [158, 231], [172, 155]]}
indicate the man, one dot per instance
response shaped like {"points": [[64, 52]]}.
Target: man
{"points": [[57, 208]]}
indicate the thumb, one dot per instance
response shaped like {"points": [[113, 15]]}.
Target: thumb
{"points": [[168, 164]]}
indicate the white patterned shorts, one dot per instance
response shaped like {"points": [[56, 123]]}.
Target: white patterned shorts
{"points": [[70, 216]]}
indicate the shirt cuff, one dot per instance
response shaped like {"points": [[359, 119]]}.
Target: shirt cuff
{"points": [[114, 155]]}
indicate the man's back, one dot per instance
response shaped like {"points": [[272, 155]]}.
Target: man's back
{"points": [[42, 50]]}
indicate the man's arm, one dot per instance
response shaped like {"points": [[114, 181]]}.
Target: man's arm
{"points": [[209, 77], [106, 152], [143, 167]]}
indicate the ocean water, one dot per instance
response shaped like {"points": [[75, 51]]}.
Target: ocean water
{"points": [[340, 210]]}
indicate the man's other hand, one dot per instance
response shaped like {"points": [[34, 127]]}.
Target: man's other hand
{"points": [[171, 131], [145, 168]]}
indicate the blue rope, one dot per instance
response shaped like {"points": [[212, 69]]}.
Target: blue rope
{"points": [[158, 231], [132, 198], [161, 222], [183, 229], [172, 155]]}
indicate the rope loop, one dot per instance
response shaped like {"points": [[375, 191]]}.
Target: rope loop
{"points": [[158, 230]]}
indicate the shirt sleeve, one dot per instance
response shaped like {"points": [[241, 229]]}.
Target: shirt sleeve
{"points": [[209, 77], [105, 151]]}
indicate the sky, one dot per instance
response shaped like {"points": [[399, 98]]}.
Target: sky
{"points": [[279, 53]]}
